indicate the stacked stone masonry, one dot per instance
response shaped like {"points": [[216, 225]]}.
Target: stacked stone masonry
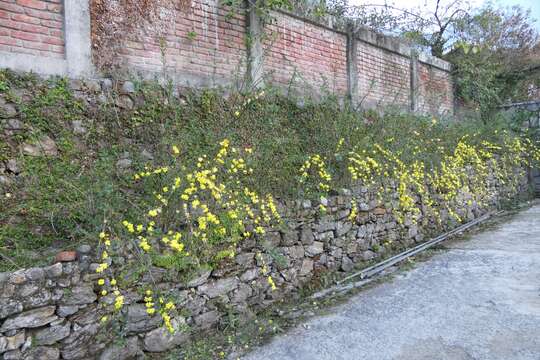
{"points": [[33, 27], [205, 45], [54, 312]]}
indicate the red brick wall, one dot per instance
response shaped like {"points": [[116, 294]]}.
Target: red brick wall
{"points": [[383, 77], [203, 45], [314, 55], [32, 27], [435, 90]]}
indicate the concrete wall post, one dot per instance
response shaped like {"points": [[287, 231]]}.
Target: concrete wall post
{"points": [[78, 38], [415, 82], [255, 61], [352, 66]]}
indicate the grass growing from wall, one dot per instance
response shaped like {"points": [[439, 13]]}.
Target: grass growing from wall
{"points": [[59, 202]]}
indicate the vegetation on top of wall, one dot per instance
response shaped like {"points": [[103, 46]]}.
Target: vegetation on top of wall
{"points": [[69, 157]]}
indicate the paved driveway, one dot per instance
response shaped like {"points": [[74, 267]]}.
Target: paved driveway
{"points": [[479, 300]]}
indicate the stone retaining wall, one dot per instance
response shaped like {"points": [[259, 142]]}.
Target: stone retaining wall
{"points": [[54, 312]]}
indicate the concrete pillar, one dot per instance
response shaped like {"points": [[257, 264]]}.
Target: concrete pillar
{"points": [[415, 81], [255, 61], [352, 66], [78, 38]]}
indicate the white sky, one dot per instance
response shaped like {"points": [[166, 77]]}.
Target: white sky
{"points": [[534, 5]]}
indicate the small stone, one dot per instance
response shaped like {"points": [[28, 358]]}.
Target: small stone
{"points": [[206, 320], [30, 319], [364, 207], [65, 256], [75, 84], [128, 349], [273, 239], [138, 320], [42, 353], [75, 346], [218, 288], [315, 249], [343, 228], [290, 237], [64, 311], [78, 127], [124, 102], [147, 155], [325, 236], [92, 86], [347, 264], [4, 180], [18, 277], [87, 315], [245, 259], [13, 342], [413, 231], [35, 274], [242, 293], [52, 334], [326, 223], [53, 271], [296, 252], [379, 211], [106, 84], [307, 267], [123, 164], [9, 307], [127, 87], [84, 249], [7, 110], [306, 236], [368, 255], [45, 146], [200, 278], [249, 275], [27, 290], [13, 355], [80, 295], [14, 124], [160, 340], [13, 167]]}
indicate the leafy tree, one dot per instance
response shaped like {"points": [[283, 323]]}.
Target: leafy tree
{"points": [[495, 50]]}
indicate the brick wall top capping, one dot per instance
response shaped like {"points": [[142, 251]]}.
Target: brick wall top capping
{"points": [[435, 62], [383, 41], [371, 37]]}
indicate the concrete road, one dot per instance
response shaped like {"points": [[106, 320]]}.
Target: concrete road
{"points": [[478, 300]]}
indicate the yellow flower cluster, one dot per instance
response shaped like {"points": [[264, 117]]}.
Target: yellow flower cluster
{"points": [[266, 272], [315, 164], [108, 284], [105, 239], [164, 309], [203, 212], [363, 167], [149, 172], [354, 211], [248, 101], [149, 303], [464, 169]]}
